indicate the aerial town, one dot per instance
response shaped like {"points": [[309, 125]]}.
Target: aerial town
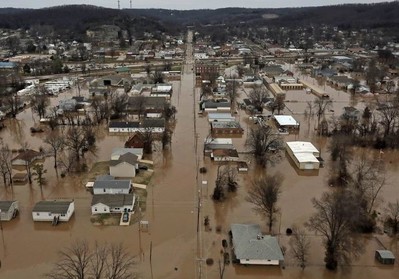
{"points": [[198, 151]]}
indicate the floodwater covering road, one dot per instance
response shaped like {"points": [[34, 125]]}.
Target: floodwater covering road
{"points": [[179, 247]]}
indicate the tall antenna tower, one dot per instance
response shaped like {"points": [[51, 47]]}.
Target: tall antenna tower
{"points": [[119, 4], [131, 4]]}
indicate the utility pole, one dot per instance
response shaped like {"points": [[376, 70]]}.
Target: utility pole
{"points": [[131, 7], [119, 4]]}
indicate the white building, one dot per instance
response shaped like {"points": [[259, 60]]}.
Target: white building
{"points": [[109, 203], [286, 121], [50, 210], [125, 166], [304, 154], [220, 117]]}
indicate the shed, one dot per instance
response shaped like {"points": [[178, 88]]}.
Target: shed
{"points": [[385, 256]]}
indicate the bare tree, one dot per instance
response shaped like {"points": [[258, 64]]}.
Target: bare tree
{"points": [[38, 173], [392, 217], [148, 138], [389, 115], [107, 261], [75, 141], [300, 245], [118, 104], [5, 163], [341, 156], [226, 181], [368, 179], [56, 142], [321, 105], [232, 93], [74, 262], [264, 195], [169, 111], [40, 103], [265, 144], [257, 97], [336, 216]]}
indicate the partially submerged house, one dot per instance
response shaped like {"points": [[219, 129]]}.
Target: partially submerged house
{"points": [[225, 155], [111, 186], [286, 122], [8, 210], [226, 128], [53, 210], [26, 157], [250, 246], [304, 154], [118, 151], [112, 203]]}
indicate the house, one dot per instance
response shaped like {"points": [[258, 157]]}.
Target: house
{"points": [[304, 154], [123, 126], [135, 141], [53, 210], [161, 90], [67, 105], [211, 144], [153, 125], [211, 105], [220, 117], [117, 152], [225, 155], [226, 128], [385, 256], [112, 186], [26, 157], [125, 166], [286, 122], [250, 246], [108, 203], [139, 105], [8, 210]]}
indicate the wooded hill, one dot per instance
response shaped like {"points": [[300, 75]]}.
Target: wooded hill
{"points": [[78, 18]]}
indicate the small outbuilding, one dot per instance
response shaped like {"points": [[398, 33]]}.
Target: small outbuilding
{"points": [[385, 256]]}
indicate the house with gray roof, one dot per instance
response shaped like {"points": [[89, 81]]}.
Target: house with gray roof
{"points": [[51, 210], [8, 210], [109, 203], [101, 187], [125, 166], [118, 151], [250, 246]]}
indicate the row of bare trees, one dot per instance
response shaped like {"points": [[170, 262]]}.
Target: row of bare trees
{"points": [[100, 261]]}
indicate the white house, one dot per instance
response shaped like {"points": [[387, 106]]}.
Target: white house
{"points": [[162, 90], [51, 210], [109, 203], [286, 122], [125, 166], [123, 127], [304, 154], [8, 210], [250, 246], [101, 187]]}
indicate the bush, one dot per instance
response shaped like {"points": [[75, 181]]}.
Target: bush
{"points": [[288, 231], [209, 261], [203, 170]]}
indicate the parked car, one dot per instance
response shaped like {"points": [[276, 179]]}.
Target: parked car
{"points": [[125, 217]]}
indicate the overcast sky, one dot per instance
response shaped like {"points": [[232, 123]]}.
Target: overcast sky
{"points": [[180, 4]]}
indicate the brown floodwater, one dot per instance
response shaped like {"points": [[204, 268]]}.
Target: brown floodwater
{"points": [[178, 251]]}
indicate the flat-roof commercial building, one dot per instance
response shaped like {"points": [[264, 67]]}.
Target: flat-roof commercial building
{"points": [[304, 154], [286, 122]]}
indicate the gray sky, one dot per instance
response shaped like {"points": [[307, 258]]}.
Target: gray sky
{"points": [[181, 4]]}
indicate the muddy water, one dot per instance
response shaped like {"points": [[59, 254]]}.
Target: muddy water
{"points": [[171, 209]]}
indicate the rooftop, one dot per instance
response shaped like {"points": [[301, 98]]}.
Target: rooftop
{"points": [[249, 243], [113, 200], [286, 120], [112, 184], [5, 205], [54, 206]]}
